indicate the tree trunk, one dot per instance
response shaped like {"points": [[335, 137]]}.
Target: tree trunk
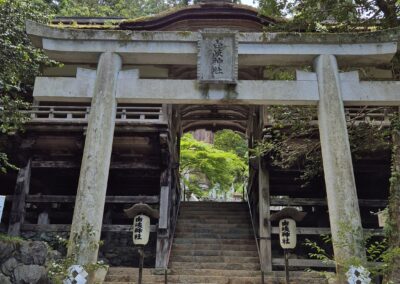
{"points": [[394, 210]]}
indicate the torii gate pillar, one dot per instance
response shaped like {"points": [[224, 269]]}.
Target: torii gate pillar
{"points": [[90, 198], [344, 212]]}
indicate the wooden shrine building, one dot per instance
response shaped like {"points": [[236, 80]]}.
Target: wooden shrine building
{"points": [[105, 129]]}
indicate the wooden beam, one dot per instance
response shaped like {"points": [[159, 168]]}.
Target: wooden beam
{"points": [[302, 263], [67, 228], [76, 165], [151, 199], [277, 201], [325, 231], [17, 215], [299, 262]]}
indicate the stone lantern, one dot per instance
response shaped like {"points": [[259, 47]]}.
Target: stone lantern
{"points": [[141, 214], [287, 218]]}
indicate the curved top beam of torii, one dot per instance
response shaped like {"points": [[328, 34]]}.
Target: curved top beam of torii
{"points": [[84, 46]]}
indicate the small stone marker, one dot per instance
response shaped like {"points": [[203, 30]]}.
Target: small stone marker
{"points": [[358, 275], [2, 201], [217, 60], [382, 218], [76, 275]]}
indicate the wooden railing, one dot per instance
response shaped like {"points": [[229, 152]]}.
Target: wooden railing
{"points": [[63, 199], [80, 114], [305, 231], [378, 116], [372, 115]]}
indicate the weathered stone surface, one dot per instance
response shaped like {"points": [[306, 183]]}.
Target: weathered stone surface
{"points": [[175, 47], [23, 262], [31, 274], [54, 254], [217, 57], [8, 266], [33, 253], [92, 186], [4, 279], [344, 213], [6, 250]]}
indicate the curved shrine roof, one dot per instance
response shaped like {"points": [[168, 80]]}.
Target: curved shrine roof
{"points": [[206, 15], [212, 14]]}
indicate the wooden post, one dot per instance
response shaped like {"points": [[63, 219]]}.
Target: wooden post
{"points": [[163, 232], [265, 223], [254, 133], [17, 215]]}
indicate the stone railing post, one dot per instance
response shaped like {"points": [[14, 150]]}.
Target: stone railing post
{"points": [[344, 212], [90, 197]]}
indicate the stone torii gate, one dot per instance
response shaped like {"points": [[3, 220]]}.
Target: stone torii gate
{"points": [[115, 81]]}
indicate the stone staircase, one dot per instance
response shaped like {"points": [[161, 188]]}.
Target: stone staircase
{"points": [[214, 243]]}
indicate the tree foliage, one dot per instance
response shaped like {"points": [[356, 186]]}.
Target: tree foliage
{"points": [[328, 15], [19, 62], [293, 139], [230, 141], [203, 166], [115, 8]]}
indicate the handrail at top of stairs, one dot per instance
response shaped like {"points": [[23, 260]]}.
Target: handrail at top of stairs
{"points": [[251, 215], [178, 198]]}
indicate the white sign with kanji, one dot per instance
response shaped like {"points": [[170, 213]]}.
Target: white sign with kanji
{"points": [[358, 275], [287, 233], [2, 201], [76, 275], [141, 230]]}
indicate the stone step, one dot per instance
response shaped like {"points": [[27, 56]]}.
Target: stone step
{"points": [[216, 206], [214, 259], [210, 215], [213, 230], [179, 240], [214, 225], [211, 204], [118, 270], [185, 221], [229, 211], [236, 247], [196, 279], [215, 272], [231, 280], [247, 236], [129, 275], [191, 252], [226, 280], [215, 265], [233, 211], [124, 278]]}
